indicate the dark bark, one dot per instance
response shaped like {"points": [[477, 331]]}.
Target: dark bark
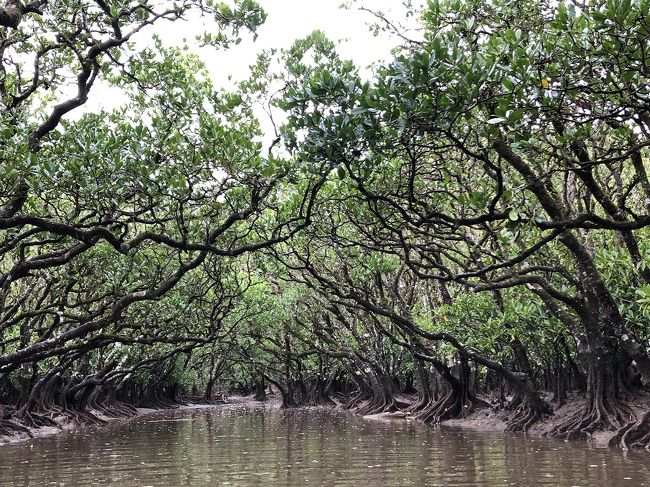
{"points": [[457, 401], [260, 390], [424, 385], [603, 409]]}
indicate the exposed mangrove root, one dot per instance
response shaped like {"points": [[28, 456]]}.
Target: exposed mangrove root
{"points": [[382, 399], [361, 394], [529, 407], [122, 409], [82, 417], [603, 410], [376, 407], [457, 401], [447, 407], [34, 420], [378, 404], [318, 395], [597, 415], [527, 414], [633, 435], [9, 428], [426, 389], [454, 404]]}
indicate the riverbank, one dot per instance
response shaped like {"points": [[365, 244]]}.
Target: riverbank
{"points": [[490, 419], [481, 420], [247, 446], [65, 424], [496, 420]]}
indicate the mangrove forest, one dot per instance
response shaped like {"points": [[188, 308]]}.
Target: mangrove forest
{"points": [[459, 231]]}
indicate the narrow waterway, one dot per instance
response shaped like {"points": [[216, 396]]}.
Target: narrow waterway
{"points": [[309, 447]]}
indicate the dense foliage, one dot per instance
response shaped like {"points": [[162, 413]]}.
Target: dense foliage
{"points": [[467, 228]]}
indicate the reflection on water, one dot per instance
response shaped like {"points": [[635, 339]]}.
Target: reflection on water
{"points": [[313, 447]]}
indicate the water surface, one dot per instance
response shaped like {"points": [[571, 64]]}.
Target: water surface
{"points": [[310, 447]]}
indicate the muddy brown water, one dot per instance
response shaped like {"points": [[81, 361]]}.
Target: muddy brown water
{"points": [[311, 447]]}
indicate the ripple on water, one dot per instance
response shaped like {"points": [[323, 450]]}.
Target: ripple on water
{"points": [[316, 447]]}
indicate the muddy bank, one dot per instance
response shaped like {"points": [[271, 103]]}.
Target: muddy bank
{"points": [[496, 420], [22, 432], [65, 424], [487, 419], [249, 401]]}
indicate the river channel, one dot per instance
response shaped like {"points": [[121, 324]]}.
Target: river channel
{"points": [[245, 447]]}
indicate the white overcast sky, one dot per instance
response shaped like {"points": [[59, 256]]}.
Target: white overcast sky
{"points": [[287, 20]]}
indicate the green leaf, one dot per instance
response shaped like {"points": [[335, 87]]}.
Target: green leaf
{"points": [[644, 291]]}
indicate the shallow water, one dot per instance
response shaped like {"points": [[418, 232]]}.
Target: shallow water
{"points": [[310, 447]]}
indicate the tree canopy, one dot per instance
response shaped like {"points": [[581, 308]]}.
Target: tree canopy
{"points": [[469, 226]]}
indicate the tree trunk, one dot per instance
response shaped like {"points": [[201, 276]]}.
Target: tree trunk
{"points": [[603, 409]]}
